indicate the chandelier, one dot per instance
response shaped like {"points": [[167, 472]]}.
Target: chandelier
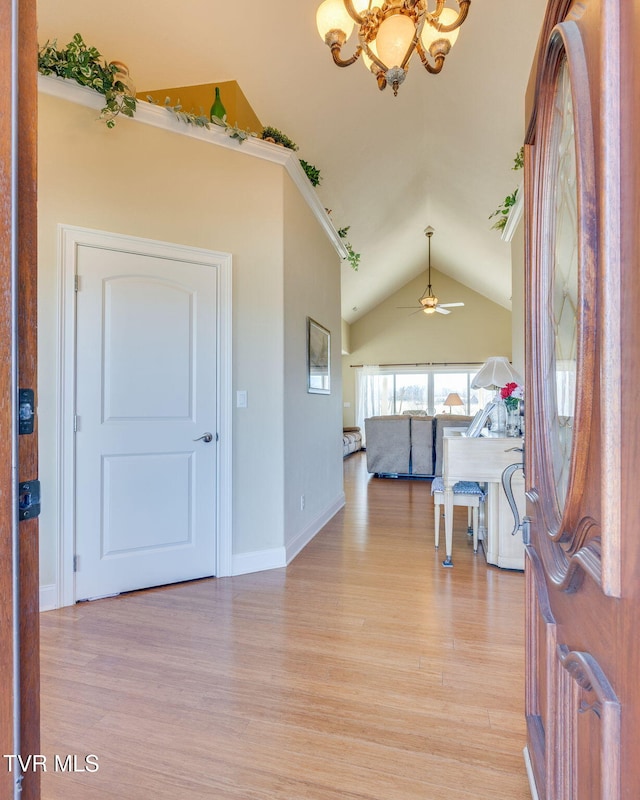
{"points": [[389, 35]]}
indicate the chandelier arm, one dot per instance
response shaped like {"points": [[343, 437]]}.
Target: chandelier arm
{"points": [[348, 4], [414, 43], [364, 45], [462, 15], [436, 69], [335, 52], [439, 59]]}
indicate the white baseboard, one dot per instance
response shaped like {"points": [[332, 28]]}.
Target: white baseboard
{"points": [[244, 563], [258, 561], [532, 783], [48, 597], [315, 526]]}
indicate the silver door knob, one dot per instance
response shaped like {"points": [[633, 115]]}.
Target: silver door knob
{"points": [[206, 437]]}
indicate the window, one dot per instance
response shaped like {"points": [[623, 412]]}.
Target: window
{"points": [[382, 390]]}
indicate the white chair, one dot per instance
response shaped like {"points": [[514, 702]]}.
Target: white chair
{"points": [[465, 493]]}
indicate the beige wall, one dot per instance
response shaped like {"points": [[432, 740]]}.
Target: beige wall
{"points": [[392, 335], [313, 458], [147, 182]]}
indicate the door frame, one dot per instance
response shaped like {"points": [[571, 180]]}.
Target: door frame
{"points": [[69, 239]]}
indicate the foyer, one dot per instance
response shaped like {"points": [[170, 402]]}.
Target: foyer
{"points": [[363, 671]]}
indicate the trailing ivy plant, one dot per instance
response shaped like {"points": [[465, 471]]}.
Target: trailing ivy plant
{"points": [[353, 258], [313, 173], [202, 120], [275, 136], [503, 210], [86, 66]]}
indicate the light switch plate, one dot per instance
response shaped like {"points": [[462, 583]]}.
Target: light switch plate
{"points": [[241, 398]]}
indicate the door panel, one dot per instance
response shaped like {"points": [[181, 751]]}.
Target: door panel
{"points": [[581, 699], [146, 389], [148, 359]]}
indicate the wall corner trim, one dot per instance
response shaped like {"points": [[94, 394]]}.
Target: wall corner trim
{"points": [[258, 561]]}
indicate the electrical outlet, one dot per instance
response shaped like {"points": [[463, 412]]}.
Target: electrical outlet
{"points": [[302, 502]]}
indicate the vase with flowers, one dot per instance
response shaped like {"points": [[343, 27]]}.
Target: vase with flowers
{"points": [[512, 395]]}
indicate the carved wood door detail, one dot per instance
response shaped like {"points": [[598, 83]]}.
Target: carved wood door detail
{"points": [[583, 306]]}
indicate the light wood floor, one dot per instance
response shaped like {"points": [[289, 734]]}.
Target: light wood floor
{"points": [[364, 671]]}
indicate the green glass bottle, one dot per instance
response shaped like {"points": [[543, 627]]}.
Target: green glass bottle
{"points": [[217, 109]]}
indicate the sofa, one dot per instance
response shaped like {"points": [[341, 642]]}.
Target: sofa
{"points": [[408, 446], [351, 441]]}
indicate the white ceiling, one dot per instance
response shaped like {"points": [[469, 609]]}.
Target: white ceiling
{"points": [[440, 153]]}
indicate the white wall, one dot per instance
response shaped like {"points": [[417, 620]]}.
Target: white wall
{"points": [[148, 182], [313, 422], [390, 334]]}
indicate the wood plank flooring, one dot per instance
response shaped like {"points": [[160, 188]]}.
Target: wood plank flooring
{"points": [[364, 671]]}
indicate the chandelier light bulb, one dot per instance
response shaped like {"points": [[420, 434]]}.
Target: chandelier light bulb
{"points": [[431, 35], [394, 38], [331, 16]]}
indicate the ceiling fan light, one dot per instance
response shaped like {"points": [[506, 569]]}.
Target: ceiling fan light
{"points": [[431, 35], [394, 38], [333, 16], [429, 309]]}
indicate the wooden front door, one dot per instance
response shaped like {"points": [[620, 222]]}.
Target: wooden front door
{"points": [[583, 383], [19, 660]]}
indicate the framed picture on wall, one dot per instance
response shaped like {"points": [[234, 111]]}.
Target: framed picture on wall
{"points": [[318, 358]]}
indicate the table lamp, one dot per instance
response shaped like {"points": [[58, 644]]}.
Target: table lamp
{"points": [[453, 399]]}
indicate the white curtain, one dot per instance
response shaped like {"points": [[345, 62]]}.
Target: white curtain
{"points": [[369, 401]]}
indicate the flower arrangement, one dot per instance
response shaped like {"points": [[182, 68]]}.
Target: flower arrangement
{"points": [[512, 394]]}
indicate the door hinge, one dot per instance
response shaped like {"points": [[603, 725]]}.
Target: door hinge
{"points": [[29, 499], [76, 423], [526, 530], [76, 283], [76, 563]]}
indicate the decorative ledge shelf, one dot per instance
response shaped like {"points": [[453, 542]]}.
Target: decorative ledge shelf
{"points": [[515, 215], [159, 117]]}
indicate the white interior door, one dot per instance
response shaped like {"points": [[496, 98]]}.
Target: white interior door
{"points": [[145, 498]]}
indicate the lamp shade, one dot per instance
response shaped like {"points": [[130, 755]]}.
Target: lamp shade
{"points": [[430, 34], [332, 15], [453, 399], [495, 373], [394, 38]]}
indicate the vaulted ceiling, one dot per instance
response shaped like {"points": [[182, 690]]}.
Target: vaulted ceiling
{"points": [[439, 154]]}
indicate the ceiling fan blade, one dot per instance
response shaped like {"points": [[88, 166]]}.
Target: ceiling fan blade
{"points": [[442, 310], [450, 305]]}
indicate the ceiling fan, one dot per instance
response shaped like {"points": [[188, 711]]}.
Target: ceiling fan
{"points": [[428, 301]]}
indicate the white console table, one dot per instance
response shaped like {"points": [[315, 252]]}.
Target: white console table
{"points": [[484, 459]]}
